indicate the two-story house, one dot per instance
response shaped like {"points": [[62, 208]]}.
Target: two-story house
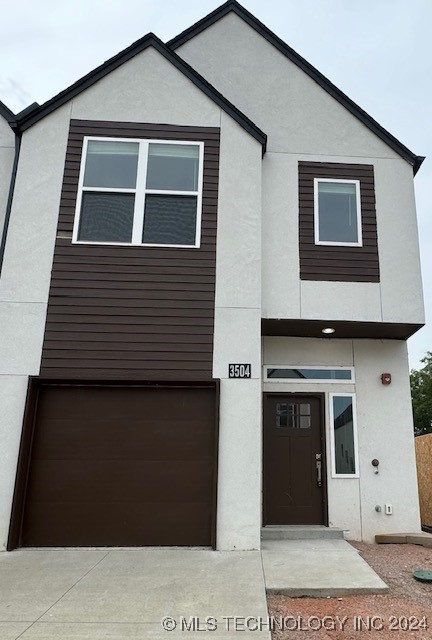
{"points": [[210, 272]]}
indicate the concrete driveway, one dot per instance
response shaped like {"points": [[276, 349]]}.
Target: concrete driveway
{"points": [[79, 594]]}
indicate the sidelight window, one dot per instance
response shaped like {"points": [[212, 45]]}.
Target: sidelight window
{"points": [[344, 439], [139, 192]]}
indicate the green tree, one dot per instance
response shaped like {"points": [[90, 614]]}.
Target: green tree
{"points": [[421, 394]]}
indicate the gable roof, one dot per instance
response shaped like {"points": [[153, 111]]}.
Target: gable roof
{"points": [[304, 65], [30, 116], [7, 114]]}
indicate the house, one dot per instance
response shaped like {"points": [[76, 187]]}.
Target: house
{"points": [[210, 272]]}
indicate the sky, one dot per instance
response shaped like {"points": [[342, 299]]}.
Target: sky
{"points": [[379, 52]]}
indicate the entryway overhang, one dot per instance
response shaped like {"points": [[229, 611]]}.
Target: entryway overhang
{"points": [[299, 328]]}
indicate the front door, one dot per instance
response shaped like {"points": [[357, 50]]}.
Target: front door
{"points": [[293, 460]]}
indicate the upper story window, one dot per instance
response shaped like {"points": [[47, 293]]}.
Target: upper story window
{"points": [[139, 192], [338, 239], [337, 212]]}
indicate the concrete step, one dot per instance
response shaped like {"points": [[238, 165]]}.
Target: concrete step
{"points": [[317, 569], [301, 532]]}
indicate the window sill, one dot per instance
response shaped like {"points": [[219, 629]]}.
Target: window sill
{"points": [[338, 244], [129, 244]]}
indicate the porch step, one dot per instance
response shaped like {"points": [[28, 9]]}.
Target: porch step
{"points": [[301, 532], [317, 569]]}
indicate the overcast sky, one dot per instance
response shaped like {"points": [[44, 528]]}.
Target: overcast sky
{"points": [[379, 52]]}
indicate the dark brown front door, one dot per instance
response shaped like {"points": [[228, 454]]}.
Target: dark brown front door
{"points": [[293, 453]]}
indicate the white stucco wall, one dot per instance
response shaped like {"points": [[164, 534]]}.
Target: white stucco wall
{"points": [[297, 115], [237, 338], [385, 430], [147, 89], [304, 123], [7, 154], [142, 91], [386, 433], [24, 283]]}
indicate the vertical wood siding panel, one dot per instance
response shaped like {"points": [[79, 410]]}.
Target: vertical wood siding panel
{"points": [[123, 312]]}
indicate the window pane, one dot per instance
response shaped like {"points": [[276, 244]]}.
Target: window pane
{"points": [[282, 421], [111, 164], [170, 219], [344, 434], [106, 217], [282, 408], [310, 374], [337, 212], [305, 422], [173, 166]]}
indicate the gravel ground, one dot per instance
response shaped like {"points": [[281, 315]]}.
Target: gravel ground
{"points": [[406, 612]]}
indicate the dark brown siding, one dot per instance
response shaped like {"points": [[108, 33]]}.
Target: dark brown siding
{"points": [[346, 264], [132, 312]]}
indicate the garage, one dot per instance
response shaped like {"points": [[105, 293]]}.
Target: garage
{"points": [[117, 465]]}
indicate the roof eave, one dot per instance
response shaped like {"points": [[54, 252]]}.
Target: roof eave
{"points": [[310, 70], [7, 114], [418, 163], [32, 115]]}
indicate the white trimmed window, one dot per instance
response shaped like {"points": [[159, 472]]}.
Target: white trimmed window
{"points": [[343, 424], [139, 192], [287, 373], [337, 212]]}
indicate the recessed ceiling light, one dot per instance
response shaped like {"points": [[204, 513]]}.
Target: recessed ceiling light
{"points": [[328, 330]]}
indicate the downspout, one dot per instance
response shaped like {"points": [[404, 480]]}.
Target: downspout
{"points": [[10, 196]]}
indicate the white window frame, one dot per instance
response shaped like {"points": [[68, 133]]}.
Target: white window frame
{"points": [[332, 436], [140, 193], [329, 243], [310, 380]]}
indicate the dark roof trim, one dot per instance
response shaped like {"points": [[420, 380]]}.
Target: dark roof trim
{"points": [[7, 114], [10, 196], [10, 118], [337, 94], [32, 107], [28, 119]]}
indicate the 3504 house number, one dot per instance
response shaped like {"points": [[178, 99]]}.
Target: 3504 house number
{"points": [[239, 371]]}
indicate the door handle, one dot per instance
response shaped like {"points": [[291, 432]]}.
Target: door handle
{"points": [[318, 465]]}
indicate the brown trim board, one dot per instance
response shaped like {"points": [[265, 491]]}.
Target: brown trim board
{"points": [[343, 329], [23, 466], [216, 464]]}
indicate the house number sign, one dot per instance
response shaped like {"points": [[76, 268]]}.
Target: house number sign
{"points": [[239, 371]]}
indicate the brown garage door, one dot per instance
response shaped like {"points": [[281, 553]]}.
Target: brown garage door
{"points": [[120, 466]]}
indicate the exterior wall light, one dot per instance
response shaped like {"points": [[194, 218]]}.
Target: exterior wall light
{"points": [[328, 330]]}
